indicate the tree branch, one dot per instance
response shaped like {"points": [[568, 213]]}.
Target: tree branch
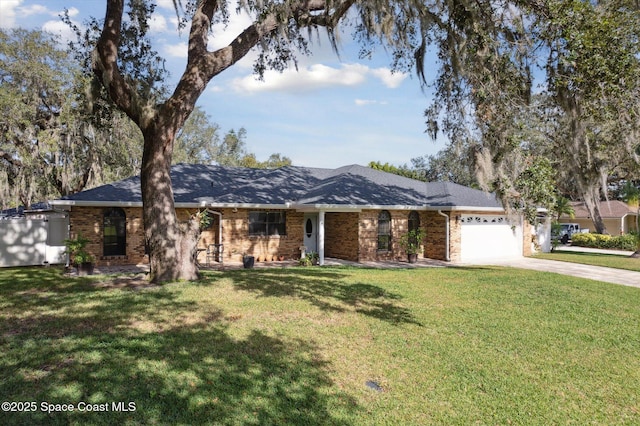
{"points": [[203, 65], [105, 62]]}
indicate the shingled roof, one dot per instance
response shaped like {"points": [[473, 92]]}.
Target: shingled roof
{"points": [[351, 187], [612, 209]]}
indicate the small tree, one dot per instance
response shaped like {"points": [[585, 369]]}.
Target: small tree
{"points": [[78, 254], [411, 242], [562, 206], [631, 195]]}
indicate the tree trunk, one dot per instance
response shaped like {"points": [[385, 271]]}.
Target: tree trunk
{"points": [[171, 244], [593, 206]]}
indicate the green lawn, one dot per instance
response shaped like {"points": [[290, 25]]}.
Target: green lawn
{"points": [[297, 346], [597, 259]]}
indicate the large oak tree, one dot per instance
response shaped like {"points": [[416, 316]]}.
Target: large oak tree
{"points": [[480, 47], [463, 32]]}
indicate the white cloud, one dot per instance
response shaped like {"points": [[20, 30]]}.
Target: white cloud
{"points": [[389, 78], [365, 102], [34, 9], [222, 35], [316, 77], [8, 9], [158, 23], [166, 4], [12, 12], [61, 29], [72, 12], [179, 50]]}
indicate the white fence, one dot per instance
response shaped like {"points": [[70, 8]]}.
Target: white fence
{"points": [[33, 241]]}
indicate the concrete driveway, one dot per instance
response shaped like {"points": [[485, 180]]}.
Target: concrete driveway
{"points": [[599, 273]]}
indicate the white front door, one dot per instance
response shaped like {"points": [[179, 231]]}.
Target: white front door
{"points": [[310, 229]]}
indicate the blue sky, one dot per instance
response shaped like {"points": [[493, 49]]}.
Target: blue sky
{"points": [[332, 112]]}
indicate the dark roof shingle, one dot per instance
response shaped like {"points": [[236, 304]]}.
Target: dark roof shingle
{"points": [[345, 186]]}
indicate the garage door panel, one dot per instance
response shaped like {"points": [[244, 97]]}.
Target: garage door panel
{"points": [[487, 237]]}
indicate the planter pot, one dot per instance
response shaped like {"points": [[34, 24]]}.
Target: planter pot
{"points": [[85, 269], [248, 261], [413, 258]]}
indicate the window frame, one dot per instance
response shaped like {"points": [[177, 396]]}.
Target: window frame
{"points": [[114, 244], [267, 223], [384, 231]]}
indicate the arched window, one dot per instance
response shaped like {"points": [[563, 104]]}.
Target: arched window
{"points": [[114, 232], [384, 231]]}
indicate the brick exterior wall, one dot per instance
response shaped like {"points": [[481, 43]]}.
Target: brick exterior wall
{"points": [[89, 221], [368, 238], [341, 235], [237, 241], [349, 236], [436, 236]]}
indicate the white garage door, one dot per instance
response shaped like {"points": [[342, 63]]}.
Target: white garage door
{"points": [[489, 237]]}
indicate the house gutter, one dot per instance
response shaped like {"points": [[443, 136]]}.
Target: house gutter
{"points": [[446, 216]]}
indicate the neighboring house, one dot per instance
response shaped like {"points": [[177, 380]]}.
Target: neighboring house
{"points": [[618, 217], [354, 213], [33, 236]]}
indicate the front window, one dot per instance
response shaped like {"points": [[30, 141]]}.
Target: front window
{"points": [[267, 223], [384, 231], [114, 232]]}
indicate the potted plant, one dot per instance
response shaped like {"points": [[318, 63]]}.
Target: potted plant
{"points": [[78, 255], [311, 258], [411, 242], [248, 261]]}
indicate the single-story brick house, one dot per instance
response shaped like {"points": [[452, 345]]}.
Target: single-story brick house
{"points": [[354, 213], [617, 216]]}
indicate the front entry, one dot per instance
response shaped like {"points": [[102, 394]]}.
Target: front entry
{"points": [[310, 227]]}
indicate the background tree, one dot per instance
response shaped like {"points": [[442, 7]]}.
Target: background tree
{"points": [[50, 145], [197, 142], [593, 77], [450, 164], [402, 170]]}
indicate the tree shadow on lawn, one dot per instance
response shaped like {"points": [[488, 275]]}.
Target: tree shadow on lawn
{"points": [[175, 362], [324, 289]]}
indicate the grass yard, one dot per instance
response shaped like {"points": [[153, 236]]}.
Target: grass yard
{"points": [[597, 259], [298, 346]]}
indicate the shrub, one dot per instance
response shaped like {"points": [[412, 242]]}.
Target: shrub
{"points": [[622, 242], [583, 240], [627, 242]]}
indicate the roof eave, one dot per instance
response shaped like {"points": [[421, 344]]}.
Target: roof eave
{"points": [[352, 207], [87, 203], [285, 206], [465, 208], [178, 205]]}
